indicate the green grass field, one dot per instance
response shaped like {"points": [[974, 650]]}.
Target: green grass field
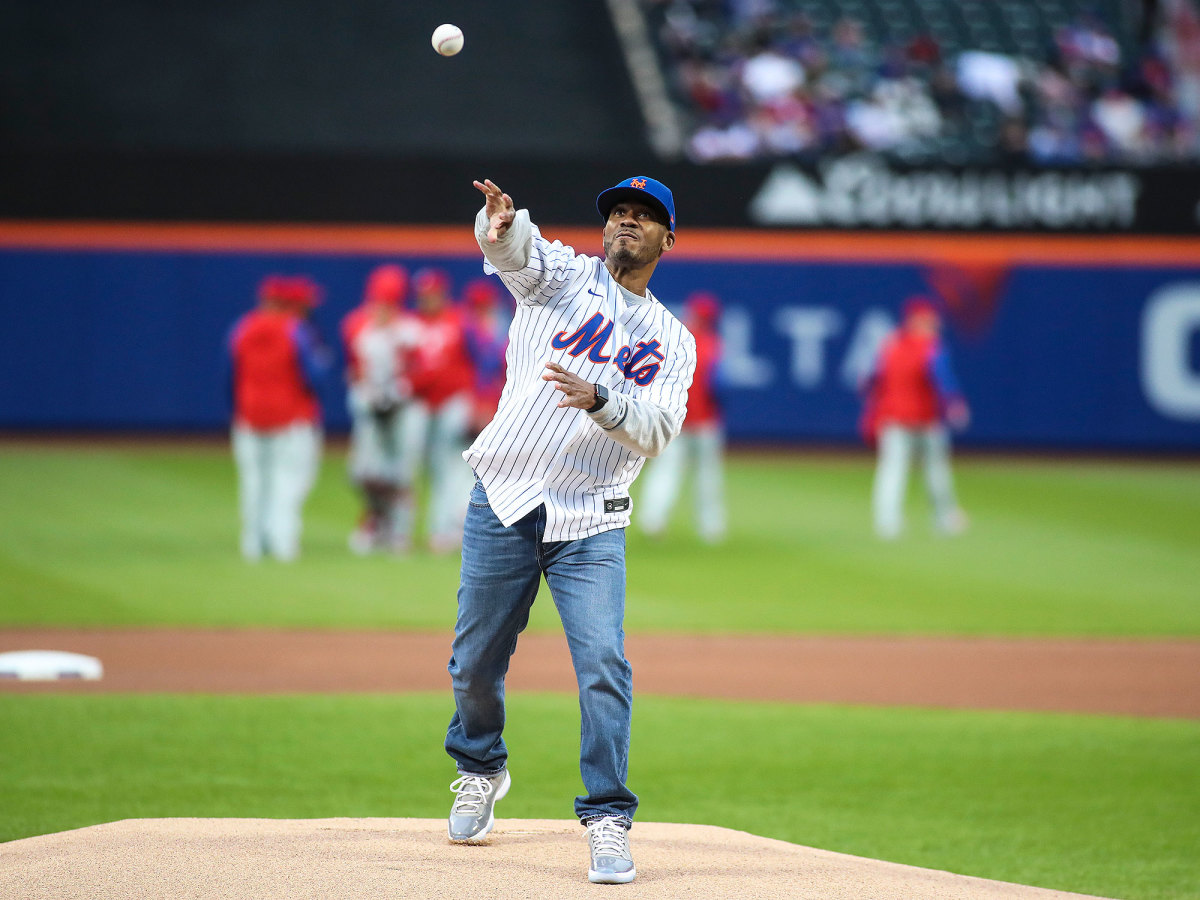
{"points": [[1111, 806], [132, 537], [1084, 803]]}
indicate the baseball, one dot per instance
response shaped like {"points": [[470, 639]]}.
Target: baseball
{"points": [[447, 39]]}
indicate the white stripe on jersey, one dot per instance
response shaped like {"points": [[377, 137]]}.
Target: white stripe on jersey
{"points": [[532, 452]]}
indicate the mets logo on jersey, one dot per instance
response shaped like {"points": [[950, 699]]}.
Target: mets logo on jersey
{"points": [[641, 363], [639, 183]]}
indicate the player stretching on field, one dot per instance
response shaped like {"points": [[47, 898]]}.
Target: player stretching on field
{"points": [[275, 365], [701, 444], [376, 335], [598, 374], [910, 393]]}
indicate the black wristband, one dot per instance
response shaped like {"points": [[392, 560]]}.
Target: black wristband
{"points": [[601, 398]]}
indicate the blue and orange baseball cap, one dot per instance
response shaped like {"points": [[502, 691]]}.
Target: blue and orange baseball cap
{"points": [[431, 280], [704, 305], [920, 305], [292, 291], [387, 285], [640, 189], [301, 292]]}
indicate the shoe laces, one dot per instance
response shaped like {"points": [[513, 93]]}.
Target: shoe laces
{"points": [[472, 791], [609, 837]]}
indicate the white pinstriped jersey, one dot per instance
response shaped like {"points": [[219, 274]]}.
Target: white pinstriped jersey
{"points": [[572, 312]]}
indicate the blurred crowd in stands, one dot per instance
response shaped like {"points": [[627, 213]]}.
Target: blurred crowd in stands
{"points": [[761, 79]]}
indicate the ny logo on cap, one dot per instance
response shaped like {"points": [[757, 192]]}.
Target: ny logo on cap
{"points": [[639, 183]]}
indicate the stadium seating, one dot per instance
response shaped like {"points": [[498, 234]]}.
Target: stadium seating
{"points": [[1029, 37]]}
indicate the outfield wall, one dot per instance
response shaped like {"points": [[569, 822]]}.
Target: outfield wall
{"points": [[1060, 342]]}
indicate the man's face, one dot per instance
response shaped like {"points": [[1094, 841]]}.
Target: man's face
{"points": [[382, 311], [925, 322], [430, 301], [634, 236]]}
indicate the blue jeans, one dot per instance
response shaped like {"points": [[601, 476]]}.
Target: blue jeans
{"points": [[501, 568]]}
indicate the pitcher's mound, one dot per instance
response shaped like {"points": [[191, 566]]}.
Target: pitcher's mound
{"points": [[239, 859]]}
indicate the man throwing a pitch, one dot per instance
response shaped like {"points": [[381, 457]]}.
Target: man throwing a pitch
{"points": [[598, 375]]}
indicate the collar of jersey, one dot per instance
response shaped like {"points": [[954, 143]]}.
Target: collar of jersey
{"points": [[632, 299]]}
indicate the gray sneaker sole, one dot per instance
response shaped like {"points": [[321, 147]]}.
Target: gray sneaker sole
{"points": [[478, 837], [611, 877]]}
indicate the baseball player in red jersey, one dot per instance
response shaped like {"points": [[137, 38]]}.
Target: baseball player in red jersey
{"points": [[434, 422], [275, 365], [376, 336], [598, 374], [701, 444], [910, 396]]}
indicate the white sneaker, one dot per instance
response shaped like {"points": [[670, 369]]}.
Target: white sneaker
{"points": [[612, 863], [442, 544], [472, 815], [953, 523], [361, 541]]}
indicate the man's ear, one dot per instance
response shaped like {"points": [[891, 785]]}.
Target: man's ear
{"points": [[668, 241]]}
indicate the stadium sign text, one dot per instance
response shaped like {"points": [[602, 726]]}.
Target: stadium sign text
{"points": [[864, 192], [1170, 329], [808, 334]]}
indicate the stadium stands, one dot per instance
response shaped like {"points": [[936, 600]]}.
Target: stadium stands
{"points": [[311, 113], [1047, 82]]}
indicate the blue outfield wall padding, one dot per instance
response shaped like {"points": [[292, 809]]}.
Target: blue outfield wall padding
{"points": [[1070, 356]]}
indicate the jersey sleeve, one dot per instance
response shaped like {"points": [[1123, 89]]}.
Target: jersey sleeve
{"points": [[308, 350], [485, 350], [943, 377], [532, 268]]}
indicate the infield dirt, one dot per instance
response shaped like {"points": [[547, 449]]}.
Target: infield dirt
{"points": [[1147, 678], [365, 859]]}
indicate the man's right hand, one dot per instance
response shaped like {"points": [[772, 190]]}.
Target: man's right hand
{"points": [[958, 415], [499, 209]]}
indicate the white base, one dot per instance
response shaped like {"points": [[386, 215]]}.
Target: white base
{"points": [[49, 665]]}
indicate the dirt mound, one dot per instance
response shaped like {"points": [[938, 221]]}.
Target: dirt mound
{"points": [[238, 859]]}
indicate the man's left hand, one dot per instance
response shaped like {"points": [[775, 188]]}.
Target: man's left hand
{"points": [[576, 392]]}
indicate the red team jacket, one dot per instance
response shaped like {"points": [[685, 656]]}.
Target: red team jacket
{"points": [[911, 386], [272, 361], [702, 405], [440, 365]]}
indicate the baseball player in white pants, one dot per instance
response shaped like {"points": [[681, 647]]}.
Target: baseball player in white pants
{"points": [[897, 447], [438, 435], [377, 448], [701, 449], [598, 375], [910, 395], [276, 470], [275, 362], [701, 445]]}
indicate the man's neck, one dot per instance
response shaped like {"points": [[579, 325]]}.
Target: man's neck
{"points": [[634, 280]]}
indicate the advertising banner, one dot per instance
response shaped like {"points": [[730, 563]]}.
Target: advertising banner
{"points": [[1048, 356], [855, 193], [1072, 346]]}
